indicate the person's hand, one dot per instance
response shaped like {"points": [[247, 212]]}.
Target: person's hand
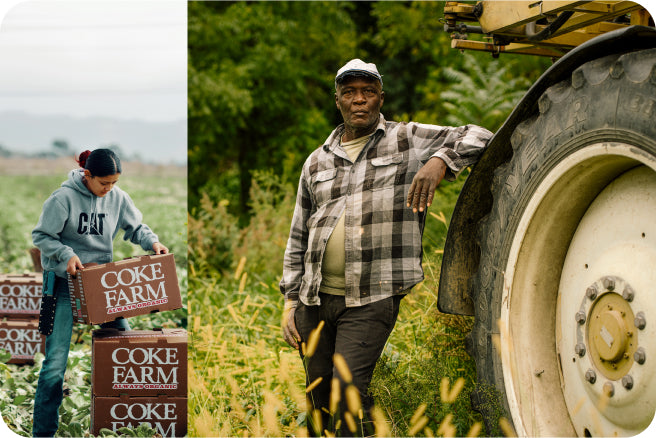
{"points": [[289, 332], [159, 248], [74, 263], [422, 189]]}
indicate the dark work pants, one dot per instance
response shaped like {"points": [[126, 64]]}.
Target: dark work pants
{"points": [[359, 334], [49, 390]]}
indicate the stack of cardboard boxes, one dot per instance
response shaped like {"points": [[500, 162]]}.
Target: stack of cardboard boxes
{"points": [[20, 301], [138, 376]]}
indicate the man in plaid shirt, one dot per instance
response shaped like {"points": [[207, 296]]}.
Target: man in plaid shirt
{"points": [[354, 248]]}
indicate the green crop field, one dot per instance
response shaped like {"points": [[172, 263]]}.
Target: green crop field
{"points": [[243, 379], [161, 195]]}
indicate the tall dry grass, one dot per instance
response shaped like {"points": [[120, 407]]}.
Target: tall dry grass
{"points": [[244, 380]]}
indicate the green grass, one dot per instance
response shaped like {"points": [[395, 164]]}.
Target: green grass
{"points": [[243, 378], [21, 198], [162, 200], [246, 381], [426, 350]]}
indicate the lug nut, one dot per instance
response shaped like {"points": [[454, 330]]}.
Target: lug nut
{"points": [[628, 294], [609, 283], [640, 321], [609, 389], [580, 317], [627, 381], [591, 292], [591, 376], [580, 349], [640, 356]]}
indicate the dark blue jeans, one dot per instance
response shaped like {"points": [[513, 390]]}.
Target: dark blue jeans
{"points": [[359, 334], [49, 390]]}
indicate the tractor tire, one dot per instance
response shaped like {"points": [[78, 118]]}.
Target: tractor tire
{"points": [[565, 326]]}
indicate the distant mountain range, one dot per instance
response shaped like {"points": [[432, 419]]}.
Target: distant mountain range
{"points": [[150, 142]]}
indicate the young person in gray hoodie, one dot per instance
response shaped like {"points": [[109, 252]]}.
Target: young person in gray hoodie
{"points": [[77, 226]]}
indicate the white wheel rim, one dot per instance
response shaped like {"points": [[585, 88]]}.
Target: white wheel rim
{"points": [[534, 332], [609, 241]]}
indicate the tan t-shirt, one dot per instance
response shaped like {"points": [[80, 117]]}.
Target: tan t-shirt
{"points": [[332, 266]]}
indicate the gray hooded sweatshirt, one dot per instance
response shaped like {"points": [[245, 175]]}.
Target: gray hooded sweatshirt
{"points": [[74, 221]]}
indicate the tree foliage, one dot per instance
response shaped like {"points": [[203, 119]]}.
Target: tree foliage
{"points": [[261, 82], [259, 76], [483, 95]]}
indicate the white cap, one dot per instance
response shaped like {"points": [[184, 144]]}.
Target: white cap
{"points": [[357, 66]]}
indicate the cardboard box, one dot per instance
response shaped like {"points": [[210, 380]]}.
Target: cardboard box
{"points": [[131, 287], [167, 415], [22, 339], [20, 295], [139, 362]]}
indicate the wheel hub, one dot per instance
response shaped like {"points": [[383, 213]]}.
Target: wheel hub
{"points": [[611, 337], [610, 344]]}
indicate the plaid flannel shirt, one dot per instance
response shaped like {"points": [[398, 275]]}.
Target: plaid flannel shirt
{"points": [[382, 235]]}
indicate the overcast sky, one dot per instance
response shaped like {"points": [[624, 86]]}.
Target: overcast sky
{"points": [[121, 59]]}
